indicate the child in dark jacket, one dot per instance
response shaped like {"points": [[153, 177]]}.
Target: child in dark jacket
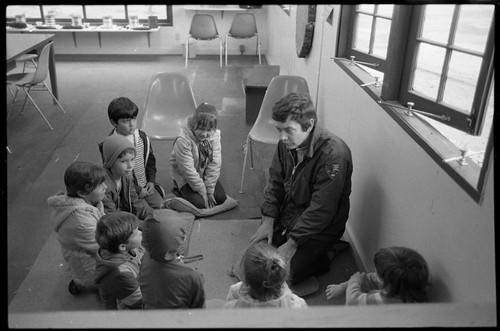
{"points": [[119, 260], [122, 113], [119, 159], [166, 282]]}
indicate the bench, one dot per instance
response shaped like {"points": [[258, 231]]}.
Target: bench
{"points": [[255, 89]]}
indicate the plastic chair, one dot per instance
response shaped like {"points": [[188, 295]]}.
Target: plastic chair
{"points": [[34, 81], [263, 130], [243, 27], [28, 60], [203, 27], [169, 101]]}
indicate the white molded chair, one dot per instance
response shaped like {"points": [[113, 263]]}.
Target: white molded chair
{"points": [[263, 130], [34, 81], [243, 27], [203, 27], [169, 101]]}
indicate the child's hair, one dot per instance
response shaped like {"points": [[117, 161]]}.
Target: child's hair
{"points": [[204, 118], [404, 272], [115, 229], [297, 107], [83, 177], [122, 108], [264, 271]]}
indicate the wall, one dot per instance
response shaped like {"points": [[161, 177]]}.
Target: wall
{"points": [[400, 196], [167, 41]]}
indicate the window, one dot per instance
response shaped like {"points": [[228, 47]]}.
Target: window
{"points": [[93, 13], [440, 60]]}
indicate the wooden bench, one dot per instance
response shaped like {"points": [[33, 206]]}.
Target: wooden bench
{"points": [[255, 89]]}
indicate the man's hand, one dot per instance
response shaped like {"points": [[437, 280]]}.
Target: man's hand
{"points": [[264, 231], [288, 249]]}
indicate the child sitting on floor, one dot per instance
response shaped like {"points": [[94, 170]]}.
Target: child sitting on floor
{"points": [[119, 260], [165, 281], [196, 159], [265, 275], [122, 113], [401, 276], [75, 215], [119, 160]]}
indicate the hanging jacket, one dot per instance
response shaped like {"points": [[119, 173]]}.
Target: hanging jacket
{"points": [[186, 166]]}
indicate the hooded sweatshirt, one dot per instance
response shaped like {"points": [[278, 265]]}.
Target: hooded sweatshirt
{"points": [[74, 221], [238, 297], [116, 277]]}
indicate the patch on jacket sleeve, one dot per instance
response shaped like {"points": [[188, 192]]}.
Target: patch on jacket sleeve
{"points": [[332, 169]]}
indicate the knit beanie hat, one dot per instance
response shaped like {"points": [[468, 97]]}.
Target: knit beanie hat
{"points": [[164, 231], [112, 147]]}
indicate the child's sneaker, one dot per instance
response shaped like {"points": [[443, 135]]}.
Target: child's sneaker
{"points": [[73, 288]]}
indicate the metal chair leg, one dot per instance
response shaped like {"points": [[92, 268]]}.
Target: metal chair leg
{"points": [[53, 97], [244, 163], [36, 106], [225, 49], [187, 51]]}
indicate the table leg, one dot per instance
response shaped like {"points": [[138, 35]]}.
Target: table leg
{"points": [[52, 71]]}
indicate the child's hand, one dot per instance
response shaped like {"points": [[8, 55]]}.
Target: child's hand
{"points": [[334, 290], [150, 187], [211, 200]]}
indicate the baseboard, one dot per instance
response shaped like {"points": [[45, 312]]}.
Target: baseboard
{"points": [[357, 259]]}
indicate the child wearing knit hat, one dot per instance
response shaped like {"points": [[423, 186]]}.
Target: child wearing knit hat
{"points": [[119, 161], [196, 159], [122, 113], [165, 281]]}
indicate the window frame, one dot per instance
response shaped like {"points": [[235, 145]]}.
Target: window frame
{"points": [[470, 177], [401, 46], [124, 21]]}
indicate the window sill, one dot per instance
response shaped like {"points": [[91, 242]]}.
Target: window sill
{"points": [[438, 147]]}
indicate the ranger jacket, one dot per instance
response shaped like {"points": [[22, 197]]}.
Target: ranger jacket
{"points": [[310, 199]]}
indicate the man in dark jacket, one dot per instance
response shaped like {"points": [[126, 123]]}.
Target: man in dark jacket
{"points": [[306, 202]]}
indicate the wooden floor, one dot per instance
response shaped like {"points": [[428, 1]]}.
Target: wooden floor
{"points": [[39, 158]]}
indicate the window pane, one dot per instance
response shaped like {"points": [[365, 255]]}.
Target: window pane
{"points": [[117, 12], [143, 11], [473, 26], [383, 28], [366, 8], [466, 141], [28, 11], [461, 82], [62, 11], [428, 69], [362, 33], [437, 22], [385, 10]]}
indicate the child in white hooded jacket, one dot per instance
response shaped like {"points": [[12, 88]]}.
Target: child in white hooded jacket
{"points": [[75, 215]]}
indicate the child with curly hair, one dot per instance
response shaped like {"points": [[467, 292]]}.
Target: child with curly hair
{"points": [[401, 276]]}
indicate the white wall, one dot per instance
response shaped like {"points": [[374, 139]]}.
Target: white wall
{"points": [[166, 41], [400, 196]]}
